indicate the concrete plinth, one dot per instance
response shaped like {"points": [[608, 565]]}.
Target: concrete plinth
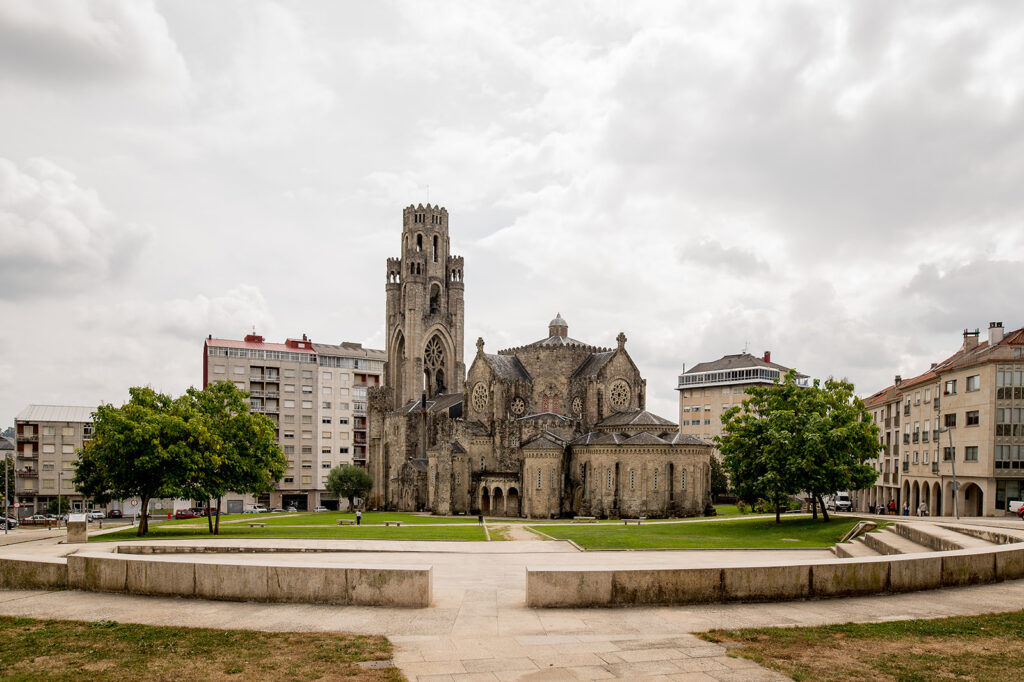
{"points": [[78, 529]]}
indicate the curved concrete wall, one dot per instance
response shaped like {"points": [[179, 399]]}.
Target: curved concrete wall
{"points": [[234, 580], [23, 572], [568, 587]]}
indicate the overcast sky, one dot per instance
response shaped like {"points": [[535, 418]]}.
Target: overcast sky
{"points": [[842, 184]]}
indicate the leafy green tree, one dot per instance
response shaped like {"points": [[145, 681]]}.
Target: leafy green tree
{"points": [[719, 481], [349, 481], [60, 509], [243, 454], [788, 438], [145, 449]]}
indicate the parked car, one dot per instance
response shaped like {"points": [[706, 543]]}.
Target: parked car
{"points": [[320, 509], [840, 502], [208, 512], [255, 509], [9, 522], [1017, 507], [96, 514], [185, 514], [292, 508], [114, 514], [277, 510]]}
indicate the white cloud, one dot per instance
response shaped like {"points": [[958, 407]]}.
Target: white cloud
{"points": [[57, 235]]}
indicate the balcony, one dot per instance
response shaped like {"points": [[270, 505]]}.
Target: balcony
{"points": [[28, 437], [896, 478], [917, 437], [359, 407], [906, 466], [256, 393], [906, 439], [27, 471], [888, 422], [924, 436], [27, 455], [935, 467], [896, 421], [906, 411]]}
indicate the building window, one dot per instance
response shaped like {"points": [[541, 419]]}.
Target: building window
{"points": [[632, 480], [307, 404], [948, 454], [289, 388], [974, 382], [682, 479], [609, 479], [325, 434], [325, 420], [289, 403], [927, 395], [343, 451], [971, 453], [950, 420], [925, 456], [219, 369], [915, 457], [655, 479], [972, 418], [554, 480], [950, 388], [307, 419], [289, 479], [540, 478], [307, 389], [68, 431], [325, 405], [307, 449], [326, 376], [289, 449]]}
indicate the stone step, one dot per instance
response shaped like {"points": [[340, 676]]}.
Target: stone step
{"points": [[887, 542], [999, 536], [938, 538], [852, 550]]}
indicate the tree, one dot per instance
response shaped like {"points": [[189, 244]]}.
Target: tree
{"points": [[243, 455], [59, 509], [349, 481], [143, 449], [789, 438], [719, 481]]}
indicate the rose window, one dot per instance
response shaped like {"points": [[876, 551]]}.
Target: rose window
{"points": [[619, 395]]}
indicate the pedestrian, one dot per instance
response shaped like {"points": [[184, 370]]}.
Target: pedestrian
{"points": [[359, 516], [922, 509], [892, 507], [906, 509]]}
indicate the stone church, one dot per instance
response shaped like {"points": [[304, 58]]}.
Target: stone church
{"points": [[554, 427]]}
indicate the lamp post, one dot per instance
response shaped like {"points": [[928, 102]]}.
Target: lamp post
{"points": [[7, 496], [952, 456]]}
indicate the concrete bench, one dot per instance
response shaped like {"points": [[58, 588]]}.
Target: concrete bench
{"points": [[346, 522], [585, 519], [257, 525], [626, 522], [393, 523]]}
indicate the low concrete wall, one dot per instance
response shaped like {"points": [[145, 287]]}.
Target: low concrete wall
{"points": [[24, 572], [576, 587], [233, 580]]}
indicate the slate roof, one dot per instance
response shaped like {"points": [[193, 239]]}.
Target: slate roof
{"points": [[685, 439], [508, 367], [542, 443], [737, 361], [598, 438], [457, 448], [438, 403], [6, 443], [419, 464], [475, 428], [636, 418], [593, 365], [56, 413], [542, 416], [644, 438], [555, 342]]}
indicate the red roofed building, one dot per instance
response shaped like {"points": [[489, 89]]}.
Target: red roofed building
{"points": [[315, 393], [964, 416]]}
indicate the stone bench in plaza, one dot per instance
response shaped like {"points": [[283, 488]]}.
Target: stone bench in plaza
{"points": [[257, 525], [626, 522], [346, 522], [260, 581], [393, 523], [585, 519]]}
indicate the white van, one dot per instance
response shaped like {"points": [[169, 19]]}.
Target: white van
{"points": [[255, 509], [840, 502]]}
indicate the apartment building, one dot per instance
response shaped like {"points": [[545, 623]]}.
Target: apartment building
{"points": [[708, 389], [957, 428], [47, 438], [314, 392]]}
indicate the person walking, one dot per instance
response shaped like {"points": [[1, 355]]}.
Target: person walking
{"points": [[892, 507], [922, 509], [359, 516], [906, 509]]}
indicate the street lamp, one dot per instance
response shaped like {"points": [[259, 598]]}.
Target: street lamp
{"points": [[952, 456], [7, 496], [60, 474]]}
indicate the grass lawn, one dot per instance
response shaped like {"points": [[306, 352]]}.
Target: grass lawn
{"points": [[726, 510], [331, 518], [793, 532], [105, 650], [988, 647], [406, 532]]}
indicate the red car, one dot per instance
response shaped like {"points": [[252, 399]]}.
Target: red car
{"points": [[185, 514]]}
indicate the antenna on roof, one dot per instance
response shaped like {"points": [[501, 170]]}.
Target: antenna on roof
{"points": [[746, 344]]}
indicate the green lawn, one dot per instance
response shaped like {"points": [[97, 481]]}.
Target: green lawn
{"points": [[405, 532], [106, 650], [727, 510], [793, 532], [331, 518], [987, 647]]}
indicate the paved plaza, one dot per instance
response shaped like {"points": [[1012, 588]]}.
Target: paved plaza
{"points": [[479, 627]]}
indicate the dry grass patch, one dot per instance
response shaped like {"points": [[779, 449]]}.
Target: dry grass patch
{"points": [[987, 647], [106, 650]]}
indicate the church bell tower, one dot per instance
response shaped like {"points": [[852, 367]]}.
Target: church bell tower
{"points": [[425, 310]]}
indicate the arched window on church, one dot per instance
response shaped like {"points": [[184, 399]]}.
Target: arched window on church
{"points": [[434, 367], [419, 242], [435, 248], [435, 299]]}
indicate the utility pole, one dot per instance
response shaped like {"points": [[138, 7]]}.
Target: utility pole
{"points": [[956, 485], [7, 496]]}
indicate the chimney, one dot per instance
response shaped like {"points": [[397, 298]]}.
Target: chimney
{"points": [[995, 333], [899, 380], [971, 339], [934, 365], [767, 356]]}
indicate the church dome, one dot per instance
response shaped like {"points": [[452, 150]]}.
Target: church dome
{"points": [[558, 321], [558, 327]]}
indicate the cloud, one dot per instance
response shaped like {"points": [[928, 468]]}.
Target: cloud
{"points": [[73, 42], [711, 254], [966, 296], [57, 236]]}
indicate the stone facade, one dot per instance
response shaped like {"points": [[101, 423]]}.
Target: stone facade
{"points": [[554, 427]]}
